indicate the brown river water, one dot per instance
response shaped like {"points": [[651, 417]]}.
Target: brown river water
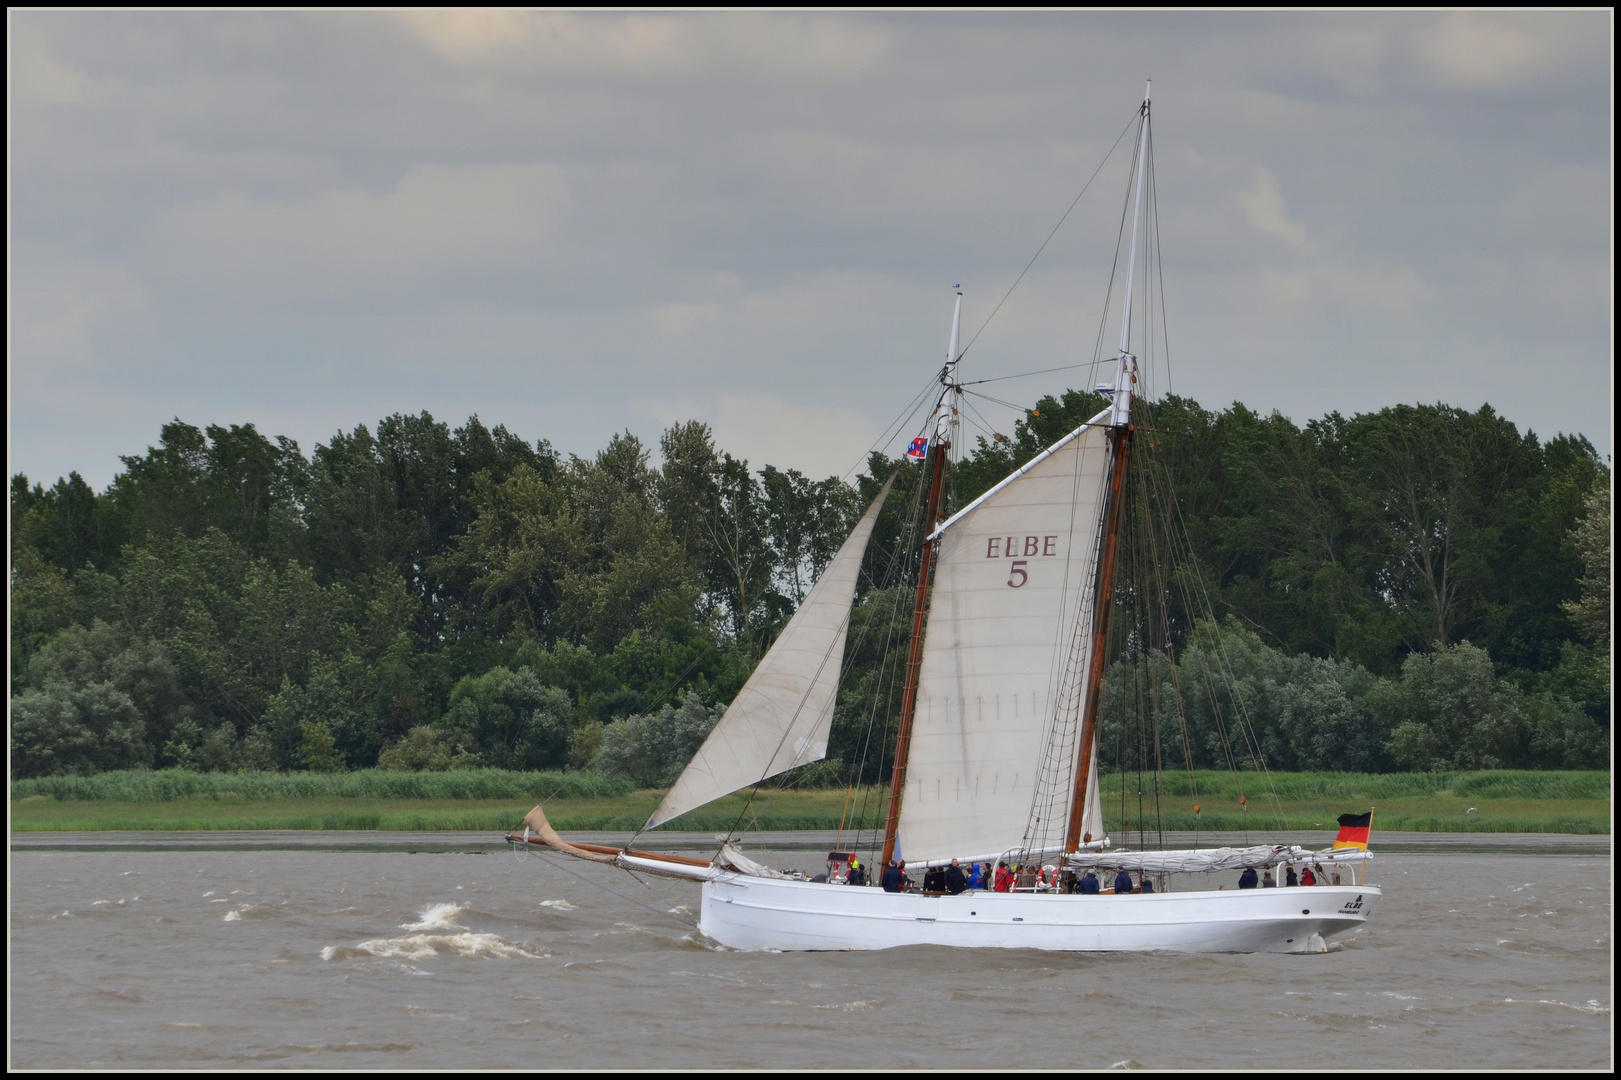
{"points": [[356, 950]]}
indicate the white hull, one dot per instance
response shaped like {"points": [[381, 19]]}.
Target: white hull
{"points": [[764, 913]]}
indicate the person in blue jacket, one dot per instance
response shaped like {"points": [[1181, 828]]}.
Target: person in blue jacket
{"points": [[976, 877], [1089, 883], [894, 879], [1248, 879], [1122, 884]]}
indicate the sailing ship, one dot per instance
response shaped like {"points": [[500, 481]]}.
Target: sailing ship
{"points": [[996, 756]]}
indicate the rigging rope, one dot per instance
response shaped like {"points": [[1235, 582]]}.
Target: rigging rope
{"points": [[620, 895], [1050, 235]]}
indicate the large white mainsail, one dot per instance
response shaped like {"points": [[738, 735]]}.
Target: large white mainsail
{"points": [[1014, 576], [781, 717]]}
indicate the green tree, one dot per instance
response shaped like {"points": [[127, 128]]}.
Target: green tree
{"points": [[69, 526], [80, 657], [865, 713], [687, 489], [1449, 711], [806, 522], [509, 720], [318, 750], [228, 478], [336, 696], [1591, 538], [422, 750], [87, 729], [652, 750], [1434, 486]]}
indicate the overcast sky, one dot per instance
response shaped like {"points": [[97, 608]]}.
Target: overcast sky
{"points": [[578, 224]]}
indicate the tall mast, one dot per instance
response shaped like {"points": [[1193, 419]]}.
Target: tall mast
{"points": [[1120, 440], [945, 418]]}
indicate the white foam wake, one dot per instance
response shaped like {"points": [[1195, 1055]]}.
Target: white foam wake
{"points": [[427, 946], [437, 917]]}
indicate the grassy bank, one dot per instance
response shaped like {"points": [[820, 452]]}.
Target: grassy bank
{"points": [[1502, 801], [1494, 801], [228, 809]]}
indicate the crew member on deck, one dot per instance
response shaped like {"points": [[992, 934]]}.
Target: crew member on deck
{"points": [[1307, 877], [1289, 877], [1089, 883], [894, 879], [1122, 883], [1248, 879], [956, 882], [1147, 886], [858, 876]]}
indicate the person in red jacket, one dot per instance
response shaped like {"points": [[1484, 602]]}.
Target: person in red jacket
{"points": [[1004, 878]]}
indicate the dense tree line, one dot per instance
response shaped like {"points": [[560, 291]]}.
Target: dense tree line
{"points": [[425, 597]]}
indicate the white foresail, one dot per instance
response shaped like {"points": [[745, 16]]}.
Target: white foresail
{"points": [[1004, 641], [781, 717]]}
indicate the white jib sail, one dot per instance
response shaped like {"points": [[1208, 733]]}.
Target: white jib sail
{"points": [[781, 717], [1005, 636]]}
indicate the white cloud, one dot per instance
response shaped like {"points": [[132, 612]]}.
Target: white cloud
{"points": [[55, 311], [437, 223], [823, 320], [1472, 52], [1554, 290], [550, 218], [1561, 205], [816, 439], [1264, 205], [644, 46], [1391, 294], [36, 77], [1352, 56]]}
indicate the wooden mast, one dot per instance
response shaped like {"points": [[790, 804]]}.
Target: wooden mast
{"points": [[1125, 387], [1073, 838], [914, 656], [945, 419]]}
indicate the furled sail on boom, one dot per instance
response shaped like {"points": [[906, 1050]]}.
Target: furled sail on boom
{"points": [[781, 717]]}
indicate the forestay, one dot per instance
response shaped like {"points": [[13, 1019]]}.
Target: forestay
{"points": [[1005, 635], [781, 717]]}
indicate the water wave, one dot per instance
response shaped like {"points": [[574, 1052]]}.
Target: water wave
{"points": [[1592, 1008], [437, 917], [427, 946], [695, 940]]}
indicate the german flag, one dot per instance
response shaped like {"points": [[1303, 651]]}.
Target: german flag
{"points": [[1354, 831]]}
